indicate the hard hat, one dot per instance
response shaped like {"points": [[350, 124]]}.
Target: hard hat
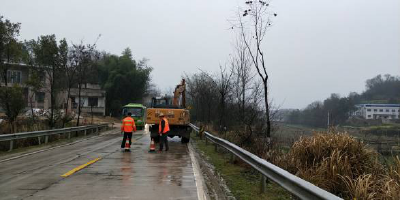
{"points": [[161, 115]]}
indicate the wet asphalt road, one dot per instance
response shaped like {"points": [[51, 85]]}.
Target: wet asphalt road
{"points": [[117, 175]]}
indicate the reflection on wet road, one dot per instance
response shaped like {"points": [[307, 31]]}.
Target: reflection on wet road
{"points": [[118, 175]]}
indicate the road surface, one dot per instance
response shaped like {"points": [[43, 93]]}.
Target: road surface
{"points": [[107, 172]]}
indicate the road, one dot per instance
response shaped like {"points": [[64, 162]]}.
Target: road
{"points": [[115, 175]]}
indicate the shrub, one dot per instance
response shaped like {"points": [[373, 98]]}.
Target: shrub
{"points": [[342, 165]]}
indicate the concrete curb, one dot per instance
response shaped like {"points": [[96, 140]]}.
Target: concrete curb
{"points": [[201, 186]]}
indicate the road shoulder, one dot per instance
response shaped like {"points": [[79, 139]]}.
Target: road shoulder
{"points": [[214, 185]]}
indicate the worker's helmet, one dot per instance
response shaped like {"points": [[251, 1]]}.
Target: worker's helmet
{"points": [[161, 115]]}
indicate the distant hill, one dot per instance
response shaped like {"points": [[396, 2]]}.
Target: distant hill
{"points": [[380, 89]]}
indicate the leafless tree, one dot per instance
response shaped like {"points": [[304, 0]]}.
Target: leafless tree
{"points": [[253, 23], [241, 66], [224, 87], [202, 92], [82, 59]]}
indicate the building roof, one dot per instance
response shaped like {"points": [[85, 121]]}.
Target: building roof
{"points": [[378, 105], [134, 105]]}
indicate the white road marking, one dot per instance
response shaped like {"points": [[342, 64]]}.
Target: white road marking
{"points": [[197, 175]]}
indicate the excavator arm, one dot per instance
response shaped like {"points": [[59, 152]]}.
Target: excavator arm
{"points": [[179, 95]]}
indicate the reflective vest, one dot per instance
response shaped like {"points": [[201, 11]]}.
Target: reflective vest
{"points": [[166, 127], [128, 125]]}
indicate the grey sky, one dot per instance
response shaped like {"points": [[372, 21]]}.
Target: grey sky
{"points": [[315, 48]]}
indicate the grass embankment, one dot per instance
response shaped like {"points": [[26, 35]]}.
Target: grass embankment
{"points": [[243, 182]]}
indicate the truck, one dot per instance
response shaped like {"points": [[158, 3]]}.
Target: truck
{"points": [[174, 110], [138, 112]]}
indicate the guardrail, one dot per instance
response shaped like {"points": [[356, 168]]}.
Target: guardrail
{"points": [[295, 185], [47, 133]]}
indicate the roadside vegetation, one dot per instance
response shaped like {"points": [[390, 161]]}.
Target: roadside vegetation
{"points": [[342, 165], [334, 161], [242, 180]]}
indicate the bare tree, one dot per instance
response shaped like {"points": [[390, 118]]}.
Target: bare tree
{"points": [[69, 68], [82, 58], [241, 67], [224, 88], [254, 21], [203, 95]]}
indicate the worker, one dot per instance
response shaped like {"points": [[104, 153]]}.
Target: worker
{"points": [[163, 128], [128, 126]]}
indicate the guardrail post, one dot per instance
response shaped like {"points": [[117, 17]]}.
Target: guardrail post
{"points": [[215, 147], [97, 130], [233, 157], [85, 132], [46, 139], [11, 145], [263, 184], [69, 135], [39, 140]]}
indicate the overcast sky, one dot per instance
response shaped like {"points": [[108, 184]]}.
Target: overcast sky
{"points": [[315, 48]]}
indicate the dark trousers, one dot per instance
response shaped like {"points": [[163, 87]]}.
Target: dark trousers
{"points": [[164, 140], [129, 136]]}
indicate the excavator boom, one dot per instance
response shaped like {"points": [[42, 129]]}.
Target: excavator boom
{"points": [[179, 95]]}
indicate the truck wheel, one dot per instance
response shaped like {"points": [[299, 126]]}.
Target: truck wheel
{"points": [[185, 140], [156, 139]]}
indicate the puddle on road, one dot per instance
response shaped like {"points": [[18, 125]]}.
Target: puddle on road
{"points": [[172, 168], [127, 168]]}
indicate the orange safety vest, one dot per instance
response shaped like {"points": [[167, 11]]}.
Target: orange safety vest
{"points": [[128, 125], [166, 127]]}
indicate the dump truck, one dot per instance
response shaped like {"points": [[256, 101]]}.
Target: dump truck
{"points": [[174, 109]]}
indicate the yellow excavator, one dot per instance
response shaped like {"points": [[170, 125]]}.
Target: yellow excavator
{"points": [[175, 111]]}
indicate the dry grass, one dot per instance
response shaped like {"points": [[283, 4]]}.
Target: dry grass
{"points": [[342, 165]]}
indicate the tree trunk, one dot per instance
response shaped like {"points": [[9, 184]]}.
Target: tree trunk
{"points": [[33, 114], [267, 114], [66, 106], [243, 99], [52, 99], [79, 103]]}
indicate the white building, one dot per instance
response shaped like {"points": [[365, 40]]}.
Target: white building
{"points": [[378, 111]]}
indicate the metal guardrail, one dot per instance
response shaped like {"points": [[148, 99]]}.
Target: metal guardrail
{"points": [[295, 185], [47, 133]]}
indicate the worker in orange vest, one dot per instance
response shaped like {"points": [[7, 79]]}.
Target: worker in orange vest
{"points": [[163, 129], [128, 126]]}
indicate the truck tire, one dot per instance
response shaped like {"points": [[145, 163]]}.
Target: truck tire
{"points": [[156, 139], [185, 140]]}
